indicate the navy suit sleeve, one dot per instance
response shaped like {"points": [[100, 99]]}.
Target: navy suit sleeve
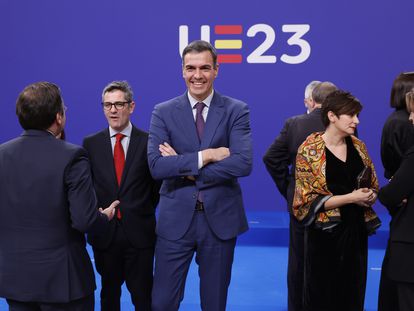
{"points": [[81, 196], [400, 187], [277, 161], [171, 166], [239, 163]]}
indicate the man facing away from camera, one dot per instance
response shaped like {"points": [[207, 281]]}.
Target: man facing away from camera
{"points": [[47, 203]]}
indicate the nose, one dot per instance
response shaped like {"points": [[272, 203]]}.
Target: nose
{"points": [[113, 109], [355, 119], [197, 73]]}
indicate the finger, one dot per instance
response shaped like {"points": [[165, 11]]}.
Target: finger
{"points": [[114, 204], [100, 209]]}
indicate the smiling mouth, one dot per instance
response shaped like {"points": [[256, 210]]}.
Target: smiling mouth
{"points": [[197, 83]]}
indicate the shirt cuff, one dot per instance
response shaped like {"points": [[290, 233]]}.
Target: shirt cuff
{"points": [[200, 160]]}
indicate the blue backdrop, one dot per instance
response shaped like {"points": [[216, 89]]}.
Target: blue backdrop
{"points": [[82, 45]]}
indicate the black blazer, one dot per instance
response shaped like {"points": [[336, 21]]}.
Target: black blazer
{"points": [[47, 202], [401, 242], [282, 153], [138, 192], [397, 137]]}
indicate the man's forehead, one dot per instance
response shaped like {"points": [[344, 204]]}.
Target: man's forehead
{"points": [[204, 57]]}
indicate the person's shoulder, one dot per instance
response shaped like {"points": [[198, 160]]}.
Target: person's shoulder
{"points": [[397, 118], [138, 132], [312, 140], [66, 149], [10, 143], [231, 104], [230, 100], [170, 103], [63, 144], [97, 135], [299, 117]]}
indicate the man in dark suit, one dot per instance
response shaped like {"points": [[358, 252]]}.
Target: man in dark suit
{"points": [[47, 202], [396, 290], [118, 156], [199, 144], [281, 156]]}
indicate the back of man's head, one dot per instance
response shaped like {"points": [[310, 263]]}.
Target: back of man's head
{"points": [[322, 90], [38, 104], [309, 88]]}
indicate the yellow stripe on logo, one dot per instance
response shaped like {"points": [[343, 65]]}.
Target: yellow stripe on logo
{"points": [[228, 44]]}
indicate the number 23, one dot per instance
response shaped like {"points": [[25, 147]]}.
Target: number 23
{"points": [[257, 56]]}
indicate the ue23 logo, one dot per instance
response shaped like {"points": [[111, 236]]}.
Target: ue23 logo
{"points": [[258, 56]]}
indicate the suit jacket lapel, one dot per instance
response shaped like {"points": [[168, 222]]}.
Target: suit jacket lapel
{"points": [[215, 116], [185, 119], [108, 157], [132, 148]]}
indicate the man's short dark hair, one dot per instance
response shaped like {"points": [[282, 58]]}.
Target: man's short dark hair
{"points": [[122, 86], [340, 103], [403, 84], [200, 46], [322, 90], [38, 104]]}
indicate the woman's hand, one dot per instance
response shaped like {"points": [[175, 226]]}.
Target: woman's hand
{"points": [[364, 197]]}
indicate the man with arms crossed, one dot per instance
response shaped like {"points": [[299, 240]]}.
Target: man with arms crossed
{"points": [[199, 144], [47, 203], [118, 156]]}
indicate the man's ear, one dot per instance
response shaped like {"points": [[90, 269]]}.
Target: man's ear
{"points": [[131, 107], [216, 70], [59, 119]]}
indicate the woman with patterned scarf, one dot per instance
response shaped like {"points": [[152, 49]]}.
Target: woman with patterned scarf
{"points": [[337, 216]]}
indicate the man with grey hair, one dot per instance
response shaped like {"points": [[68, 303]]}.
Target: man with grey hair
{"points": [[308, 95], [118, 156], [281, 156]]}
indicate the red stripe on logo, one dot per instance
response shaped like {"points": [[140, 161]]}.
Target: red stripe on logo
{"points": [[228, 29], [229, 58]]}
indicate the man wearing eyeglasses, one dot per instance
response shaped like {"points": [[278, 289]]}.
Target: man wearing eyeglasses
{"points": [[120, 170]]}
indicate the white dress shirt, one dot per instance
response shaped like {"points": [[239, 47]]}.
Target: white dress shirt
{"points": [[125, 141]]}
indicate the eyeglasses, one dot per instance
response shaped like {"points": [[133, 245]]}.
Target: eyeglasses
{"points": [[118, 105]]}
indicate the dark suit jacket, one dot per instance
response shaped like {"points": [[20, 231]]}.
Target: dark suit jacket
{"points": [[397, 137], [282, 153], [227, 125], [401, 248], [138, 192], [47, 202]]}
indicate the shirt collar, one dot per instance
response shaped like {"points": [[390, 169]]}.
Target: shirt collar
{"points": [[126, 131], [206, 101]]}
